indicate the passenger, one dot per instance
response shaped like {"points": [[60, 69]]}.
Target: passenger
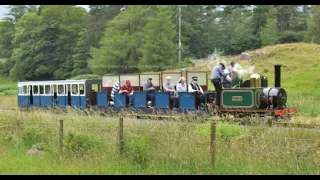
{"points": [[128, 90], [150, 89], [115, 89], [181, 86], [216, 74], [194, 87], [169, 87]]}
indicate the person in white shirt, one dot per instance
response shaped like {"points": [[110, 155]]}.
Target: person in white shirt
{"points": [[181, 86], [194, 87]]}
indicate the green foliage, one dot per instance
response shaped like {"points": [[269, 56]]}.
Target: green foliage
{"points": [[315, 24], [34, 137], [100, 15], [81, 56], [158, 49], [269, 34], [225, 131], [120, 45], [79, 143], [61, 41], [292, 36], [86, 76], [46, 42], [8, 137], [138, 148]]}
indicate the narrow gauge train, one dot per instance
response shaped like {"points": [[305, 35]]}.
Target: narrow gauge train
{"points": [[245, 97]]}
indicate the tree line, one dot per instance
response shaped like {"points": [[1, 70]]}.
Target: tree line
{"points": [[63, 41]]}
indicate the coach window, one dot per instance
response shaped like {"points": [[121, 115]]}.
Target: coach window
{"points": [[67, 88], [36, 89], [25, 90], [74, 89], [47, 89], [41, 89], [81, 88], [60, 89]]}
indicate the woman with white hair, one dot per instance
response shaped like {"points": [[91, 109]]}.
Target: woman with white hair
{"points": [[181, 86]]}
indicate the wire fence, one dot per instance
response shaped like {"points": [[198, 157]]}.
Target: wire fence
{"points": [[211, 139]]}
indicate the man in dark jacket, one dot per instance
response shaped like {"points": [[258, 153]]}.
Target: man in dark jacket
{"points": [[150, 89], [194, 87], [216, 74]]}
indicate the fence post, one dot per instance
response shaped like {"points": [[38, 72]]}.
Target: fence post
{"points": [[18, 127], [61, 135], [121, 135], [213, 141]]}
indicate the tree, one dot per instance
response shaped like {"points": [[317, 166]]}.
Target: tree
{"points": [[6, 47], [233, 34], [46, 42], [120, 45], [260, 17], [315, 24], [158, 49], [269, 33], [81, 54], [100, 15], [17, 11]]}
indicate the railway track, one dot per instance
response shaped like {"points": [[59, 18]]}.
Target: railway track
{"points": [[187, 118]]}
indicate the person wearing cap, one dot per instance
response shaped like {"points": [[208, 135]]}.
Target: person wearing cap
{"points": [[149, 88], [216, 74], [194, 87], [128, 90], [169, 87]]}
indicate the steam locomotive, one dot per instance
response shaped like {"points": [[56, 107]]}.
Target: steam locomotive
{"points": [[252, 96]]}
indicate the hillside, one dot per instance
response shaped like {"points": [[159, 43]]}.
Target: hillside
{"points": [[300, 66]]}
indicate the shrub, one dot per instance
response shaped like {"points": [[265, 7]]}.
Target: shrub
{"points": [[224, 131], [33, 137], [78, 143], [138, 148]]}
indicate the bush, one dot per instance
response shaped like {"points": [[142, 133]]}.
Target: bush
{"points": [[224, 131], [33, 137], [292, 36], [8, 137], [227, 131], [78, 143], [138, 148], [8, 90]]}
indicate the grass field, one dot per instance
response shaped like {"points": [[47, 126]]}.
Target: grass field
{"points": [[91, 147]]}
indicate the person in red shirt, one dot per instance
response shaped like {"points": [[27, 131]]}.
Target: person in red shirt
{"points": [[128, 90]]}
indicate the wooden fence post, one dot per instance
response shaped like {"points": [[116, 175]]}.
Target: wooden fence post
{"points": [[61, 135], [213, 141], [121, 143]]}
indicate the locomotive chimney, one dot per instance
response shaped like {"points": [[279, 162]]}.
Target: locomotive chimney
{"points": [[277, 75]]}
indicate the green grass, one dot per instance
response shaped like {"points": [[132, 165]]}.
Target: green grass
{"points": [[7, 87], [151, 147]]}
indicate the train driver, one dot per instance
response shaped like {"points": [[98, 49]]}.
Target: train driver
{"points": [[216, 74]]}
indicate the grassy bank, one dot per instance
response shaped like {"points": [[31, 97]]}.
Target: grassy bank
{"points": [[91, 147], [7, 87]]}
